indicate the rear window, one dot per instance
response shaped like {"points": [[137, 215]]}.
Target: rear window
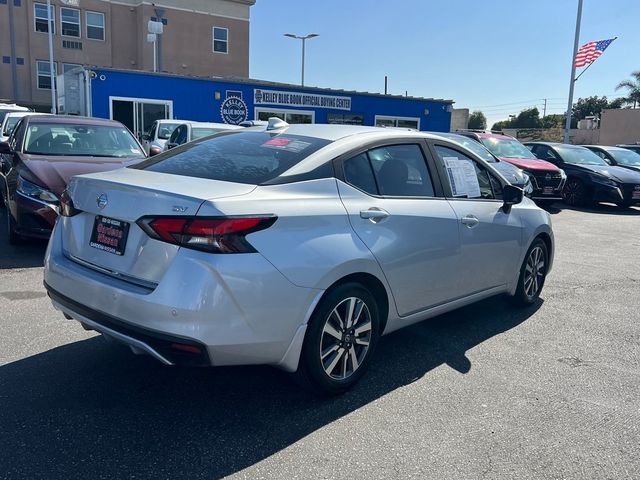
{"points": [[245, 157]]}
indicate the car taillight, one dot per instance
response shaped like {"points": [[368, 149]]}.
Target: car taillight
{"points": [[209, 234], [67, 209]]}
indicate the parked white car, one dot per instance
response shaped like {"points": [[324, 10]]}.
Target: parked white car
{"points": [[295, 246], [155, 139], [188, 131], [10, 120], [6, 108]]}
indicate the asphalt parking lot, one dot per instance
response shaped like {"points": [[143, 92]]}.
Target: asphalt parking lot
{"points": [[552, 391]]}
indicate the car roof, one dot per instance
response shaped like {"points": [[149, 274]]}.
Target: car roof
{"points": [[338, 132], [71, 119], [625, 145], [215, 125], [555, 144], [606, 147]]}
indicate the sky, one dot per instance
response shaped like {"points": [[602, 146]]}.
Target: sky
{"points": [[498, 56]]}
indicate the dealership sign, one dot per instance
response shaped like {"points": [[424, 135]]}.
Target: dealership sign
{"points": [[233, 110], [297, 99]]}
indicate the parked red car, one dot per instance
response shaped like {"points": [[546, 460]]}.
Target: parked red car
{"points": [[43, 153], [547, 179]]}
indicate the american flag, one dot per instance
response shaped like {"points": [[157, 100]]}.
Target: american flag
{"points": [[589, 52]]}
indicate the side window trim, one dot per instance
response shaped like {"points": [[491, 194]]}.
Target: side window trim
{"points": [[430, 163], [441, 170]]}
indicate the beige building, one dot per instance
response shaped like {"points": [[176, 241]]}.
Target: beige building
{"points": [[200, 37]]}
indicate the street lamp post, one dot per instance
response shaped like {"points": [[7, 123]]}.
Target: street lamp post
{"points": [[304, 39]]}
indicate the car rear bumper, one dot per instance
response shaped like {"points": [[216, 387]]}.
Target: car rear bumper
{"points": [[238, 308]]}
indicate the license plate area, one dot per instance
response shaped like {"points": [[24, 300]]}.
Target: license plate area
{"points": [[109, 235], [547, 190]]}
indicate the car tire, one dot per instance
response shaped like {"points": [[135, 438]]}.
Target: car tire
{"points": [[575, 193], [335, 353], [12, 237], [533, 273]]}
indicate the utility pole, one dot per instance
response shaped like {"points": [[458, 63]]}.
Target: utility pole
{"points": [[50, 23], [567, 127], [12, 40], [544, 111]]}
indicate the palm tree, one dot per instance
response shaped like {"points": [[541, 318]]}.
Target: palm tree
{"points": [[633, 89]]}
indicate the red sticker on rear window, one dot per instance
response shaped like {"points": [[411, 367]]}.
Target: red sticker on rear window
{"points": [[278, 142]]}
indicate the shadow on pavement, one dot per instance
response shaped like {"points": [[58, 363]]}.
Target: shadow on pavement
{"points": [[30, 253], [93, 410], [601, 208]]}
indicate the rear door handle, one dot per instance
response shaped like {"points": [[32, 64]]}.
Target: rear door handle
{"points": [[374, 214], [470, 221]]}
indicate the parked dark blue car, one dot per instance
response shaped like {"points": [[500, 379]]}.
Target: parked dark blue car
{"points": [[589, 178]]}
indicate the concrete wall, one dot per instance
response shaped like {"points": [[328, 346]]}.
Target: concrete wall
{"points": [[459, 119], [620, 126]]}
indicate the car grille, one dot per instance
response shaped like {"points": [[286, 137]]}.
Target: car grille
{"points": [[546, 179]]}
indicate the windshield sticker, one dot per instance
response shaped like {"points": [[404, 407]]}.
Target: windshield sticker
{"points": [[471, 178], [287, 144]]}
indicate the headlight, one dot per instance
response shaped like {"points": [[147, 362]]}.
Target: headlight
{"points": [[528, 187], [32, 190], [602, 180], [563, 175]]}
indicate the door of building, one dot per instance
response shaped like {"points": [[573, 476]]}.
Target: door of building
{"points": [[138, 115]]}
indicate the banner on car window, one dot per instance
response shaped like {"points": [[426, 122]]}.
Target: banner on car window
{"points": [[298, 99]]}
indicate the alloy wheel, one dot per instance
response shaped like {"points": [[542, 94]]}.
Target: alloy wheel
{"points": [[345, 339], [573, 192], [534, 272]]}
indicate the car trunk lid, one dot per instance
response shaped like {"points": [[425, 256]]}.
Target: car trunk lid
{"points": [[125, 196]]}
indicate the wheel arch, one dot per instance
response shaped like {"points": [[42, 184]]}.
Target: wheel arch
{"points": [[371, 283]]}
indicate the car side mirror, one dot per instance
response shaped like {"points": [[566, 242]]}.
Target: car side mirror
{"points": [[4, 147], [511, 195]]}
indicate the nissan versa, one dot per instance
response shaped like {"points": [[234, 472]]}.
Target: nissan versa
{"points": [[294, 246]]}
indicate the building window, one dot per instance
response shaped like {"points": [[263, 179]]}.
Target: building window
{"points": [[40, 18], [44, 74], [70, 22], [399, 122], [70, 44], [289, 116], [220, 40], [6, 59], [95, 25], [345, 118]]}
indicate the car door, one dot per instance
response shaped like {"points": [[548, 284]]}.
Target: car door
{"points": [[490, 237], [396, 208]]}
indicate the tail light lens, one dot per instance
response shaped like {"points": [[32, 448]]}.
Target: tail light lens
{"points": [[214, 235], [66, 205]]}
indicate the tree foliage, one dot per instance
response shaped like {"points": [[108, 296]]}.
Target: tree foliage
{"points": [[477, 120], [633, 89], [593, 106]]}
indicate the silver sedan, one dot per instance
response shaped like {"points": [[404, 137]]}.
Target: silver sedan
{"points": [[294, 246]]}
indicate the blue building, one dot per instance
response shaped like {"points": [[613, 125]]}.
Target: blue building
{"points": [[137, 99]]}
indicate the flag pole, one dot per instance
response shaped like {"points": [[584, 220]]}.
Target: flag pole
{"points": [[573, 73]]}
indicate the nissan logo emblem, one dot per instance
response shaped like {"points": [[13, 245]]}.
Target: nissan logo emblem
{"points": [[102, 200]]}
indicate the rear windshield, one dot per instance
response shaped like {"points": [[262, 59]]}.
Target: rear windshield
{"points": [[81, 140], [244, 157], [199, 132]]}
